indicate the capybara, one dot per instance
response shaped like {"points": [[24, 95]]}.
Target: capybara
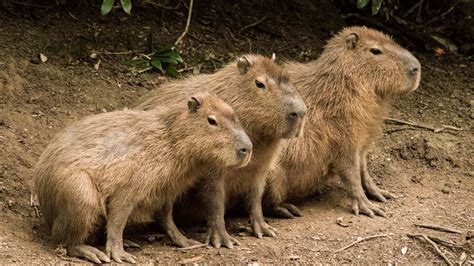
{"points": [[270, 110], [348, 91], [127, 166]]}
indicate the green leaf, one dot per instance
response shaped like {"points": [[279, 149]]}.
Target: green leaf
{"points": [[157, 64], [362, 3], [170, 70], [171, 54], [376, 4], [165, 48], [134, 62], [167, 60], [106, 6], [126, 5]]}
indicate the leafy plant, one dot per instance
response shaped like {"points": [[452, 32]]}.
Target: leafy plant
{"points": [[376, 4], [107, 6], [163, 58]]}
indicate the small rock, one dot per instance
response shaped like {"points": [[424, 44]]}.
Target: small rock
{"points": [[445, 190], [404, 250]]}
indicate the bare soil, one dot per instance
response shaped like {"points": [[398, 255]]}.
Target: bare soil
{"points": [[431, 172]]}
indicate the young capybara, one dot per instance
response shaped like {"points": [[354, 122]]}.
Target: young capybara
{"points": [[270, 110], [348, 91], [126, 166]]}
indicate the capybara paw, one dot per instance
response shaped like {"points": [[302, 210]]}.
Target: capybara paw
{"points": [[293, 209], [188, 243], [89, 253], [261, 229], [374, 192], [119, 255], [130, 244], [280, 212], [364, 206], [218, 238]]}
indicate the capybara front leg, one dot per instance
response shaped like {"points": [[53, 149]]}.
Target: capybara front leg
{"points": [[260, 228], [117, 216], [369, 185], [349, 170], [167, 223]]}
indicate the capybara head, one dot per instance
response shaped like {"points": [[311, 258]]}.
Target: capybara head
{"points": [[213, 132], [268, 104], [374, 60]]}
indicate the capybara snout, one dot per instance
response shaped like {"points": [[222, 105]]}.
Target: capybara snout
{"points": [[243, 148], [295, 116]]}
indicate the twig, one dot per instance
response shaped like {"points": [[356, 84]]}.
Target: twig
{"points": [[163, 6], [358, 241], [433, 244], [188, 21], [253, 24], [186, 69], [413, 8], [232, 35], [192, 247], [413, 124], [32, 5], [445, 242], [118, 53], [451, 8], [440, 228], [398, 129]]}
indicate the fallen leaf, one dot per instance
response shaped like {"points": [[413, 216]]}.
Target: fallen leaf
{"points": [[192, 260], [404, 250], [339, 221], [93, 56], [43, 58]]}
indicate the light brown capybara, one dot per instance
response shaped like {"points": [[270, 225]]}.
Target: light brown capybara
{"points": [[126, 166], [270, 110], [348, 91]]}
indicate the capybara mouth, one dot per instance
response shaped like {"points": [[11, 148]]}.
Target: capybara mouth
{"points": [[296, 130], [245, 161]]}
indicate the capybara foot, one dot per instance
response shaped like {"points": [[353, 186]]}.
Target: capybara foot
{"points": [[187, 242], [218, 238], [364, 206], [119, 255], [285, 210], [130, 244], [374, 192], [89, 253], [261, 228]]}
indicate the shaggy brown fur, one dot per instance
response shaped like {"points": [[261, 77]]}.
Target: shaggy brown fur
{"points": [[126, 166], [348, 91], [269, 108]]}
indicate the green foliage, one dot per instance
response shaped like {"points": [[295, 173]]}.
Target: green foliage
{"points": [[163, 58], [107, 6], [376, 4]]}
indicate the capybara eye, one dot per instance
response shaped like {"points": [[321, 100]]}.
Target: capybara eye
{"points": [[375, 51], [212, 121], [259, 84]]}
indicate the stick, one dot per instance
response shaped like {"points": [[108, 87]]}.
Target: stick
{"points": [[440, 228], [188, 21], [118, 53], [433, 244], [413, 124], [253, 24], [192, 247], [445, 242], [358, 241]]}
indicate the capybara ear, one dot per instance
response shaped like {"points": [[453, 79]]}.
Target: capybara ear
{"points": [[194, 104], [244, 63], [273, 57], [352, 40]]}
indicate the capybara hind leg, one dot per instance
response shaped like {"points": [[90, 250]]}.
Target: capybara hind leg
{"points": [[127, 243], [88, 253], [118, 211], [167, 223], [349, 170], [286, 210], [369, 185]]}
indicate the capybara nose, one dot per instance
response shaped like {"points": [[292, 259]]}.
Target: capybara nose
{"points": [[243, 151], [244, 146], [414, 67], [296, 111]]}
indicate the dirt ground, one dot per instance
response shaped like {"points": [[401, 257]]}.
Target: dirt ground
{"points": [[431, 172]]}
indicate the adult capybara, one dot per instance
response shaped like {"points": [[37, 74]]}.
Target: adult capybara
{"points": [[348, 91], [270, 110], [126, 166]]}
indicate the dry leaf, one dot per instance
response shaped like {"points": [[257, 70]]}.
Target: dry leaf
{"points": [[93, 56], [43, 58]]}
